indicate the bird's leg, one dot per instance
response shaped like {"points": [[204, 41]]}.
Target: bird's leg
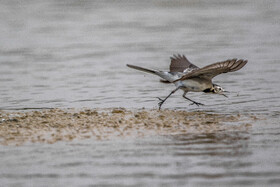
{"points": [[193, 102], [163, 100]]}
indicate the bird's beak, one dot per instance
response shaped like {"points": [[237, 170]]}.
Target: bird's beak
{"points": [[224, 94]]}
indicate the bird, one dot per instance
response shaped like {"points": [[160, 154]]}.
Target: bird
{"points": [[190, 78]]}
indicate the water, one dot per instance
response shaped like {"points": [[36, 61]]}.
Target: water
{"points": [[73, 54]]}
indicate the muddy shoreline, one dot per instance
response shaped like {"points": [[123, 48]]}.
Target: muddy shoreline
{"points": [[52, 125]]}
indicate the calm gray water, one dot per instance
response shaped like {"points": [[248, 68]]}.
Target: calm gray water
{"points": [[73, 54]]}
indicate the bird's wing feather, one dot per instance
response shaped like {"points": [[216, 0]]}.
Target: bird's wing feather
{"points": [[215, 69], [179, 63]]}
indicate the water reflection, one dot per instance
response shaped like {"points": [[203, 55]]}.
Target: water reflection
{"points": [[196, 159], [223, 158]]}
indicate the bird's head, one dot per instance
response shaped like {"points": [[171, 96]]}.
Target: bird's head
{"points": [[216, 89]]}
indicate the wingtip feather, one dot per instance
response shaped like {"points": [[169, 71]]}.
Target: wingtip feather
{"points": [[238, 65]]}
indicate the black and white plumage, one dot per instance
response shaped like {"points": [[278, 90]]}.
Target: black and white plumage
{"points": [[189, 77]]}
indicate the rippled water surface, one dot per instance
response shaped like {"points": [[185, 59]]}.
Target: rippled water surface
{"points": [[73, 54]]}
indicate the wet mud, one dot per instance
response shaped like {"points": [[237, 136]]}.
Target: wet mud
{"points": [[52, 125]]}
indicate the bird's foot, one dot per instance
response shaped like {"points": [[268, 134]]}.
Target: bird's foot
{"points": [[196, 103]]}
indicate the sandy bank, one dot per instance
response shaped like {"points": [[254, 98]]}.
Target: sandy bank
{"points": [[54, 125]]}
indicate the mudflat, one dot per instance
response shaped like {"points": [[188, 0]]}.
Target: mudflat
{"points": [[52, 125]]}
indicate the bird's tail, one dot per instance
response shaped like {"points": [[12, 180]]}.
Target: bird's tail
{"points": [[142, 69], [167, 77]]}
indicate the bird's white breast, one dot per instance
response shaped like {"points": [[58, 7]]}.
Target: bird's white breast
{"points": [[194, 85]]}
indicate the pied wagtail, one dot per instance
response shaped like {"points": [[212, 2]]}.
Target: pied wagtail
{"points": [[190, 78]]}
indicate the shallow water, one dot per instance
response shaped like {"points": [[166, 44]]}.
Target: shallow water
{"points": [[73, 54]]}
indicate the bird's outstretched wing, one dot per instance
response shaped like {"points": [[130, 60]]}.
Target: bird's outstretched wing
{"points": [[210, 71], [179, 63]]}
